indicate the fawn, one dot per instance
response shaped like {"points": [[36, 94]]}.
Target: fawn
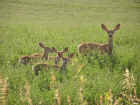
{"points": [[44, 66], [60, 55], [28, 59], [84, 48]]}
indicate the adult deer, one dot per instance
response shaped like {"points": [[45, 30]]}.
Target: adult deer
{"points": [[84, 48]]}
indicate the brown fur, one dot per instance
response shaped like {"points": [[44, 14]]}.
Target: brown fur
{"points": [[84, 48], [44, 66], [29, 58]]}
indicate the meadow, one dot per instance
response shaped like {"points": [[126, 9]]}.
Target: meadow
{"points": [[92, 80]]}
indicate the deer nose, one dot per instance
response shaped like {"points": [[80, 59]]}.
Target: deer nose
{"points": [[60, 54], [110, 35]]}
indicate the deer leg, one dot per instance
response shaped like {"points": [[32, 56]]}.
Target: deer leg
{"points": [[45, 56], [57, 59]]}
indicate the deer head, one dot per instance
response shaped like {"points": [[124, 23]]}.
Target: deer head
{"points": [[25, 60], [47, 50], [110, 35], [60, 54], [110, 32]]}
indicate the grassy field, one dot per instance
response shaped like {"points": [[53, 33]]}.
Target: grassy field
{"points": [[88, 80]]}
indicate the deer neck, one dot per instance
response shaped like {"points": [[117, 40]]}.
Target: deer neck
{"points": [[65, 61], [110, 45]]}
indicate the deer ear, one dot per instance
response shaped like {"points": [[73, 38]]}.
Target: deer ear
{"points": [[104, 27], [41, 45], [54, 49], [117, 27], [66, 49]]}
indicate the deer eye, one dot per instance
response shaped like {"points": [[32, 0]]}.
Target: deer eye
{"points": [[110, 33]]}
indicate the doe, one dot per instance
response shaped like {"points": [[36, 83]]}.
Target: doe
{"points": [[84, 48]]}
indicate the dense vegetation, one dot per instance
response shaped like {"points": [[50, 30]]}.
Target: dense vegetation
{"points": [[90, 80]]}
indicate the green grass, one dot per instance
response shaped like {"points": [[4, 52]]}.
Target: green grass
{"points": [[67, 23]]}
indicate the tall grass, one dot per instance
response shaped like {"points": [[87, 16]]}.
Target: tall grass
{"points": [[3, 91], [91, 80]]}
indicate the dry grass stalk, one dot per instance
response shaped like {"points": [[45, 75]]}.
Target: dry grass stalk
{"points": [[69, 100], [129, 81], [116, 102], [82, 101], [53, 82], [21, 95], [81, 95], [57, 97], [111, 96], [109, 100], [80, 67], [129, 90], [27, 93], [101, 100], [3, 91], [82, 82]]}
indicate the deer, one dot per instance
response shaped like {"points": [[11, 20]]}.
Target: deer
{"points": [[27, 59], [84, 48], [60, 55], [44, 66]]}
